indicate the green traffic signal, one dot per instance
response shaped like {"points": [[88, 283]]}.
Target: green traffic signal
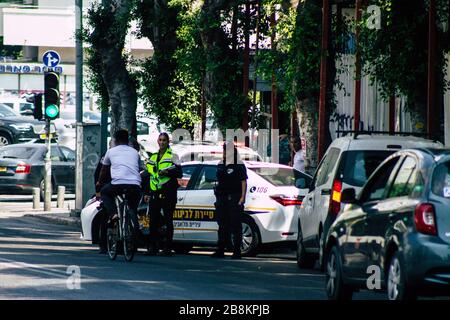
{"points": [[51, 111], [51, 95]]}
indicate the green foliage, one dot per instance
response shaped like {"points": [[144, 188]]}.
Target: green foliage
{"points": [[396, 57], [10, 51]]}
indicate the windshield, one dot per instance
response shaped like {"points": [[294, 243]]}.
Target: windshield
{"points": [[359, 165], [440, 184], [16, 153], [281, 177], [6, 111]]}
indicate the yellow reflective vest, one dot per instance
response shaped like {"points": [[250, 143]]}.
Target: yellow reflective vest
{"points": [[154, 167]]}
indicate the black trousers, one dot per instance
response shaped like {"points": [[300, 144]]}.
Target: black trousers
{"points": [[229, 219], [167, 203], [110, 191]]}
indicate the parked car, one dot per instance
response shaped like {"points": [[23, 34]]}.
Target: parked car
{"points": [[273, 196], [400, 224], [15, 128], [348, 162], [22, 168]]}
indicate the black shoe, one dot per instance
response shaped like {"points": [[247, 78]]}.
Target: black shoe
{"points": [[218, 254], [236, 256]]}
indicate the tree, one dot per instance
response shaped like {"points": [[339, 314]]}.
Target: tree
{"points": [[108, 25], [223, 76], [396, 56], [168, 90]]}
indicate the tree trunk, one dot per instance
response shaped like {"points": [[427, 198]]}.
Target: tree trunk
{"points": [[308, 121], [108, 40]]}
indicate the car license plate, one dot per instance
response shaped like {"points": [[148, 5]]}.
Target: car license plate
{"points": [[2, 169]]}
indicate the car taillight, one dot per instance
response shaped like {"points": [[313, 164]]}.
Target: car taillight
{"points": [[23, 168], [335, 201], [425, 219], [286, 200]]}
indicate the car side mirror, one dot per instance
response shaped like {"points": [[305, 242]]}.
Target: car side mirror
{"points": [[348, 196], [300, 183]]}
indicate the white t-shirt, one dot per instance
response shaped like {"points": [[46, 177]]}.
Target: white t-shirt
{"points": [[124, 162], [299, 161]]}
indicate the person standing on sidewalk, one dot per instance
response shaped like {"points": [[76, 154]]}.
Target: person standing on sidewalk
{"points": [[230, 194], [299, 156], [164, 171]]}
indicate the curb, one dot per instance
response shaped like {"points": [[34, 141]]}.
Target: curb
{"points": [[69, 221]]}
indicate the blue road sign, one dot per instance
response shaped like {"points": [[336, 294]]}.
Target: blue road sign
{"points": [[51, 58]]}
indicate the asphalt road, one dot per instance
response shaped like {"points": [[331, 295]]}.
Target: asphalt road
{"points": [[39, 260]]}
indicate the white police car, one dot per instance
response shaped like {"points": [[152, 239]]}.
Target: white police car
{"points": [[274, 194]]}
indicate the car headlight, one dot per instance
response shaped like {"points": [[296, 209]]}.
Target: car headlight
{"points": [[22, 126]]}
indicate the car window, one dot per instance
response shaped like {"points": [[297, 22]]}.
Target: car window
{"points": [[405, 180], [69, 155], [357, 166], [188, 171], [6, 111], [207, 178], [25, 107], [281, 176], [326, 169], [55, 155], [377, 185], [16, 153], [142, 128], [440, 182]]}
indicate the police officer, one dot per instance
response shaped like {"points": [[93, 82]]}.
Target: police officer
{"points": [[230, 198], [164, 170]]}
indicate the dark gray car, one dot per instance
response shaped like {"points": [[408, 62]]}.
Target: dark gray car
{"points": [[396, 234], [22, 168]]}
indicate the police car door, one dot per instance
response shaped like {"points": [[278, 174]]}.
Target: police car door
{"points": [[185, 184], [198, 211]]}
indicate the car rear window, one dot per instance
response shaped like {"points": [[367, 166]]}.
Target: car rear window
{"points": [[16, 153], [281, 177], [440, 184], [357, 166]]}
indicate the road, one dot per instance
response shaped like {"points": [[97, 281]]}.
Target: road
{"points": [[37, 261]]}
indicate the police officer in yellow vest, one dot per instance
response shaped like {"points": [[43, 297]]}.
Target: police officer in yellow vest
{"points": [[164, 170]]}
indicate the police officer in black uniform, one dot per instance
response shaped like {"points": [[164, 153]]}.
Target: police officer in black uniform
{"points": [[230, 198]]}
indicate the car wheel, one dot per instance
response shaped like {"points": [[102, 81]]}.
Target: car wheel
{"points": [[304, 260], [250, 237], [182, 248], [397, 287], [4, 139], [335, 287]]}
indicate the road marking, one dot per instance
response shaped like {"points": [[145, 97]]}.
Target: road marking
{"points": [[32, 267]]}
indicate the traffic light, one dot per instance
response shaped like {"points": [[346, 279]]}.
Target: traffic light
{"points": [[37, 101], [51, 86]]}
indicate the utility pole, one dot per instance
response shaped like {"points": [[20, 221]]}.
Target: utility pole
{"points": [[358, 69], [79, 104], [48, 170], [323, 79], [431, 103]]}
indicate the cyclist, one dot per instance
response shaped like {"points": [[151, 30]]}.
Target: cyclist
{"points": [[164, 170], [123, 163]]}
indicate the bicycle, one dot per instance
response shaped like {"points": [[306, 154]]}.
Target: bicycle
{"points": [[122, 231]]}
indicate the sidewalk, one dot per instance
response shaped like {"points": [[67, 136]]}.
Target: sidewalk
{"points": [[56, 215]]}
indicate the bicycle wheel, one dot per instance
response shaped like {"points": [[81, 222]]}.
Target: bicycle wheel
{"points": [[129, 245], [112, 234]]}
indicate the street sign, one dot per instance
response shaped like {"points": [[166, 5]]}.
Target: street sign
{"points": [[51, 58]]}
